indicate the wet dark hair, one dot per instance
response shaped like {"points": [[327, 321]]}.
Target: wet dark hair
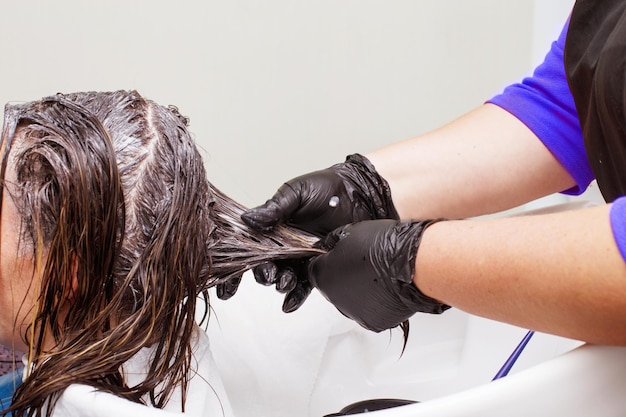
{"points": [[124, 226]]}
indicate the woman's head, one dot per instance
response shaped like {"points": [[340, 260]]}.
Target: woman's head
{"points": [[112, 207], [115, 231]]}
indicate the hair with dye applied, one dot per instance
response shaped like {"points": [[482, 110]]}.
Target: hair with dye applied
{"points": [[125, 228]]}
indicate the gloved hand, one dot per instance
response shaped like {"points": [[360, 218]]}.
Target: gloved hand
{"points": [[368, 272], [288, 275], [318, 202], [321, 201]]}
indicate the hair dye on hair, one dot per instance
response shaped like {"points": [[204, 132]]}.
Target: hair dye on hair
{"points": [[117, 211]]}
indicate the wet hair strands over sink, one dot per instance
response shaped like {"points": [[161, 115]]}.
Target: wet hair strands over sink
{"points": [[116, 210]]}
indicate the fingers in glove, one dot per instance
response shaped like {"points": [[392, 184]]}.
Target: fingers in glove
{"points": [[289, 272], [279, 208], [227, 289], [266, 273], [297, 296], [286, 280]]}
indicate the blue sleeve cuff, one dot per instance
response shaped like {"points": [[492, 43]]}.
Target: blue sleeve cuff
{"points": [[544, 103], [618, 224]]}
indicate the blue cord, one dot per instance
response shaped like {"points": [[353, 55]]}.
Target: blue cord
{"points": [[514, 356]]}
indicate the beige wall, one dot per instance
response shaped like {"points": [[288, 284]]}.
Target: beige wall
{"points": [[275, 88]]}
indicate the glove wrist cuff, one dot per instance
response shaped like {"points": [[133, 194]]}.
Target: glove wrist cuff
{"points": [[375, 188], [410, 293], [422, 303]]}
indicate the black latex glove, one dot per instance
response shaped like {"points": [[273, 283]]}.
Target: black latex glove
{"points": [[318, 203], [227, 289], [368, 272], [321, 201]]}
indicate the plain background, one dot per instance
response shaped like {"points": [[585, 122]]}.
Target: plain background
{"points": [[277, 88]]}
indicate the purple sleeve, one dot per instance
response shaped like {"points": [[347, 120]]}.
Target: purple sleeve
{"points": [[618, 224], [544, 103]]}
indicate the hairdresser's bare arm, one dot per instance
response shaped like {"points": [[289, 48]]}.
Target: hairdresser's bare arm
{"points": [[559, 273], [484, 162]]}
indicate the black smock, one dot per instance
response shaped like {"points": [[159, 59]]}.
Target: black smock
{"points": [[595, 63]]}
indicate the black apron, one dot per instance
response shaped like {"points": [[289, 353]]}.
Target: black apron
{"points": [[595, 63]]}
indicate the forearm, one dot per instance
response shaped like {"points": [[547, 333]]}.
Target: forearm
{"points": [[484, 162], [558, 273]]}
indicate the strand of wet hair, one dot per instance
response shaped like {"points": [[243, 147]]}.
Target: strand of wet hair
{"points": [[236, 248]]}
